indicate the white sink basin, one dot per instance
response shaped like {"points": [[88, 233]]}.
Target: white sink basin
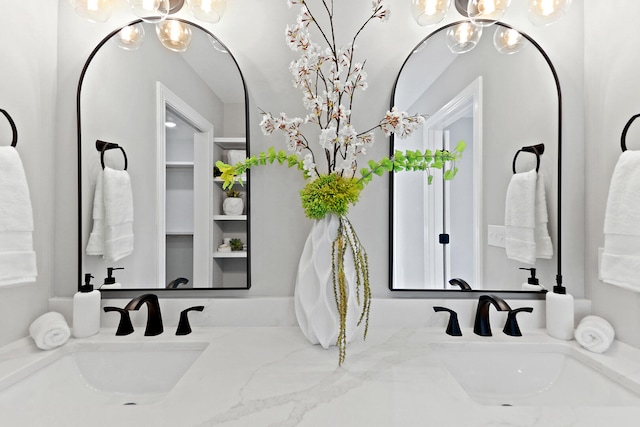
{"points": [[111, 373], [527, 374]]}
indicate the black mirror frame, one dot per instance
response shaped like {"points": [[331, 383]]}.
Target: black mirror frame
{"points": [[452, 293], [128, 293]]}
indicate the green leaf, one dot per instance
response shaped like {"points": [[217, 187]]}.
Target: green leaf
{"points": [[450, 173], [271, 154], [387, 164], [429, 179]]}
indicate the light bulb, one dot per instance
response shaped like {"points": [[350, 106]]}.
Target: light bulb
{"points": [[174, 35], [429, 12], [150, 10], [508, 41], [93, 10], [207, 10], [487, 12], [546, 12], [463, 37], [130, 37]]}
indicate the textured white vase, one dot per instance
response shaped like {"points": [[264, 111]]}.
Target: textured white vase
{"points": [[315, 302], [233, 206]]}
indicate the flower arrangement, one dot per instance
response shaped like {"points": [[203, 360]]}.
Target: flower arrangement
{"points": [[329, 77]]}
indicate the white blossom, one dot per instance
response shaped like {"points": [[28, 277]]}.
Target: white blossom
{"points": [[329, 76], [328, 137]]}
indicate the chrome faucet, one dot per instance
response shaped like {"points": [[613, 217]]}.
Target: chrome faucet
{"points": [[482, 326], [154, 318]]}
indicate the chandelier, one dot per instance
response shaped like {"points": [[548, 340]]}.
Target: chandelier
{"points": [[173, 34], [464, 36]]}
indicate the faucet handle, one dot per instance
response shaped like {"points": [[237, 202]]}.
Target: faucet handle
{"points": [[453, 328], [184, 328], [124, 327], [511, 325]]}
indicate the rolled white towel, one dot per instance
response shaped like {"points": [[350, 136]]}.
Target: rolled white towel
{"points": [[595, 334], [50, 330]]}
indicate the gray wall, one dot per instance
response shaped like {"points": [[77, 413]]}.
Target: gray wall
{"points": [[28, 93], [611, 98], [275, 189]]}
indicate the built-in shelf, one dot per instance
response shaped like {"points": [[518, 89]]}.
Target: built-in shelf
{"points": [[178, 233], [219, 180], [230, 143], [232, 254], [229, 217], [179, 164]]}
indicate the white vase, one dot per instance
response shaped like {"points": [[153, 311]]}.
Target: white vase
{"points": [[315, 302], [233, 206]]}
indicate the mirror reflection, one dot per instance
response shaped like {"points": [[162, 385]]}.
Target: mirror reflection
{"points": [[174, 108], [497, 100]]}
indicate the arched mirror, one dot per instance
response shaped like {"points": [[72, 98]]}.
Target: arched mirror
{"points": [[498, 100], [164, 222]]}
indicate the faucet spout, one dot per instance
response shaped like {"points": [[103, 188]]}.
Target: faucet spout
{"points": [[482, 325], [154, 318]]}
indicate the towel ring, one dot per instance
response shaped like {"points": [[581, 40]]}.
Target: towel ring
{"points": [[535, 149], [14, 129], [103, 146], [623, 142]]}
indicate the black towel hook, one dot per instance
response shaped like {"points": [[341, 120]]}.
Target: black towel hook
{"points": [[14, 129], [103, 146], [537, 149], [623, 141]]}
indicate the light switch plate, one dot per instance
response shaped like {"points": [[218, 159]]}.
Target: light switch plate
{"points": [[496, 235]]}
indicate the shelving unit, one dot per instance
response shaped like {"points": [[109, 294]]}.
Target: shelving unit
{"points": [[229, 269]]}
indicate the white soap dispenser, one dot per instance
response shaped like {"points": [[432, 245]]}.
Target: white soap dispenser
{"points": [[110, 281], [560, 313], [86, 310], [532, 283]]}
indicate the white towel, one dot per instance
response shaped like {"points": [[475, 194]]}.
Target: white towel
{"points": [[620, 261], [118, 214], [112, 233], [17, 258], [49, 330], [595, 334], [519, 218], [95, 246], [544, 247]]}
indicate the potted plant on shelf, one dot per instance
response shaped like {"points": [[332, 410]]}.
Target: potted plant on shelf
{"points": [[236, 245], [332, 293], [233, 203]]}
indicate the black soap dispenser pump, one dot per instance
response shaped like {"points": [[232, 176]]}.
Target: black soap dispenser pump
{"points": [[532, 284], [110, 281]]}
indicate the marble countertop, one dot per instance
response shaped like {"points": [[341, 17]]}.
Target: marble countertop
{"points": [[272, 376]]}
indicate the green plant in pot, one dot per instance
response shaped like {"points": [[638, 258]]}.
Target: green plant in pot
{"points": [[236, 245], [332, 294]]}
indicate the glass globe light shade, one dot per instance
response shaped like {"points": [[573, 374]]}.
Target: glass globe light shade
{"points": [[486, 12], [429, 12], [93, 10], [174, 35], [216, 44], [207, 10], [150, 10], [546, 12], [130, 37], [508, 40], [463, 37]]}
